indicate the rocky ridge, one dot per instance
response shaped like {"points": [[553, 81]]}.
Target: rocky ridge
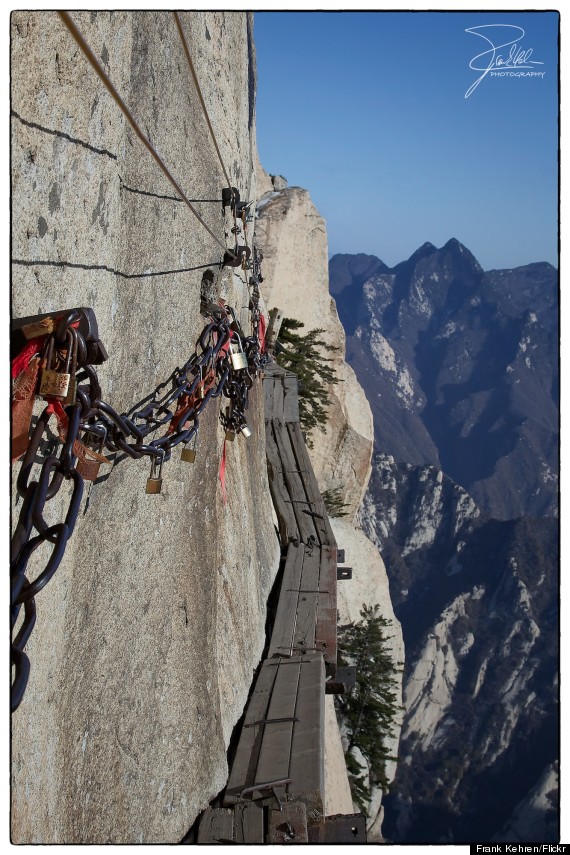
{"points": [[477, 600], [485, 413]]}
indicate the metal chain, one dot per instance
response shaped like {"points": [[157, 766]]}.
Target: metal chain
{"points": [[209, 373]]}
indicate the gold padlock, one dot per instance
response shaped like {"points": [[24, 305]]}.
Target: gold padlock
{"points": [[238, 357], [200, 387], [72, 390], [154, 482], [69, 399], [39, 328], [188, 455], [230, 435], [55, 383]]}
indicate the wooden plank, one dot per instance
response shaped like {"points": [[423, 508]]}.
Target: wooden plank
{"points": [[311, 568], [248, 823], [268, 387], [306, 622], [278, 398], [291, 399], [282, 637], [294, 483], [326, 628], [324, 530], [317, 506], [216, 826], [288, 529], [273, 763], [243, 767], [307, 748], [286, 615], [308, 599], [288, 825]]}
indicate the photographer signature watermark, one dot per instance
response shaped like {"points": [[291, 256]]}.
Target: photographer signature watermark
{"points": [[516, 62]]}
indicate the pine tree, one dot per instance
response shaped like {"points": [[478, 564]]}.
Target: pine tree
{"points": [[302, 354], [370, 708]]}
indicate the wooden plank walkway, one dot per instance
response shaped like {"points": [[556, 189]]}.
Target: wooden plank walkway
{"points": [[278, 766]]}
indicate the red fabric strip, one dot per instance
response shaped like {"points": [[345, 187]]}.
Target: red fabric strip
{"points": [[21, 362], [262, 331]]}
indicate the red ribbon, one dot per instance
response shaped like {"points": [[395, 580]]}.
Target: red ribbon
{"points": [[23, 359], [261, 331], [55, 407]]}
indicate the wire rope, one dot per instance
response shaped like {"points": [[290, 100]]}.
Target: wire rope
{"points": [[79, 38]]}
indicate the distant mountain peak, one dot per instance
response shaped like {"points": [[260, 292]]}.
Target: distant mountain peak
{"points": [[425, 249], [461, 254], [351, 271], [453, 243]]}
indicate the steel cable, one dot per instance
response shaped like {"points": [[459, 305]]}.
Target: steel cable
{"points": [[199, 91], [76, 34]]}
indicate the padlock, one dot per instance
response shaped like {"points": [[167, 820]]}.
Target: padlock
{"points": [[230, 435], [69, 399], [36, 329], [239, 359], [154, 482], [188, 455], [200, 388], [245, 429], [55, 383], [88, 467]]}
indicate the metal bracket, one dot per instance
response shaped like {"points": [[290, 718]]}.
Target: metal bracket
{"points": [[230, 197], [237, 258]]}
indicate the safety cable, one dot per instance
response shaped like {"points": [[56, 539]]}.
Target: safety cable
{"points": [[199, 91], [206, 115], [75, 32]]}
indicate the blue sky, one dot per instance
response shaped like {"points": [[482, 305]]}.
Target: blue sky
{"points": [[367, 110]]}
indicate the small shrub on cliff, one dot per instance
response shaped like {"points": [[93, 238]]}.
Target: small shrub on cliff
{"points": [[333, 502], [370, 708], [303, 355]]}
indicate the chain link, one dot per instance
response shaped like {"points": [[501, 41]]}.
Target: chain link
{"points": [[208, 374]]}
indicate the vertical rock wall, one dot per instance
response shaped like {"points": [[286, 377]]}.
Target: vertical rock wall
{"points": [[293, 237], [147, 635]]}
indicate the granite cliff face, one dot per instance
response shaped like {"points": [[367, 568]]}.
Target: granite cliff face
{"points": [[292, 236], [461, 368], [148, 634]]}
